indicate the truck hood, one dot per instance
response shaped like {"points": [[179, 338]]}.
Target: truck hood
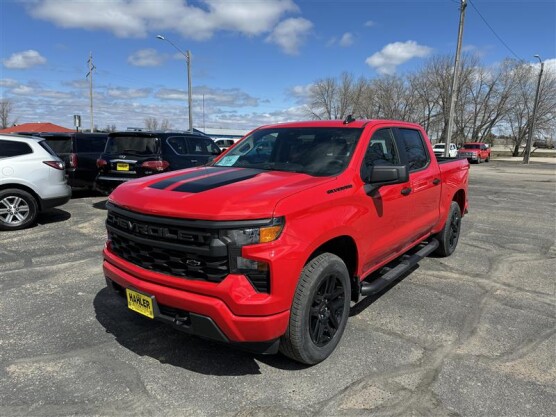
{"points": [[213, 193]]}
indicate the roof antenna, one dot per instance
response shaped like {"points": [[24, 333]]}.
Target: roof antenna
{"points": [[349, 118]]}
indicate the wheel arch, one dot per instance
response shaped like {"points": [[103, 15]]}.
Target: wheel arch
{"points": [[23, 188], [459, 197], [346, 249]]}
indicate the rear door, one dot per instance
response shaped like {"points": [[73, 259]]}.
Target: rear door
{"points": [[190, 151], [422, 202]]}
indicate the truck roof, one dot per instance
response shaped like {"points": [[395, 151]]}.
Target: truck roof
{"points": [[359, 123]]}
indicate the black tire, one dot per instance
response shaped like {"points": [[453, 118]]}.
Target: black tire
{"points": [[18, 209], [487, 159], [449, 235], [319, 311]]}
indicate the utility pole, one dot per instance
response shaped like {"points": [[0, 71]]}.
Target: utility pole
{"points": [[454, 92], [90, 77], [530, 137]]}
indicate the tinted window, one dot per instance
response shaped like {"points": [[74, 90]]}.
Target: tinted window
{"points": [[414, 148], [90, 144], [202, 146], [470, 146], [381, 151], [13, 148], [319, 151], [133, 145], [60, 145], [178, 144]]}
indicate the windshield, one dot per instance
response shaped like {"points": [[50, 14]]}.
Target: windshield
{"points": [[471, 146], [319, 151], [439, 146], [133, 145]]}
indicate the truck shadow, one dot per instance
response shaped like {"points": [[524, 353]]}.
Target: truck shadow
{"points": [[168, 346]]}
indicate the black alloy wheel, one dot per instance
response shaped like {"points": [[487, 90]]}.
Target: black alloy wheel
{"points": [[327, 310], [448, 237], [320, 310]]}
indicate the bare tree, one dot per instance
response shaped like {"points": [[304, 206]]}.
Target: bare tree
{"points": [[165, 125], [6, 109], [151, 123], [332, 98], [523, 81], [110, 128]]}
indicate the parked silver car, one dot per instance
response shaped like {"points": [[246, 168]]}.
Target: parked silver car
{"points": [[32, 179]]}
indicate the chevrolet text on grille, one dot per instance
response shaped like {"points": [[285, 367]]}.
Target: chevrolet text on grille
{"points": [[148, 230]]}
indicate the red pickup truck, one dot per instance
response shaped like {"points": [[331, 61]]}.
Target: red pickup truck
{"points": [[266, 246], [475, 152]]}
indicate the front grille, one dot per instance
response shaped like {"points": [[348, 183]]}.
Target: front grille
{"points": [[165, 246]]}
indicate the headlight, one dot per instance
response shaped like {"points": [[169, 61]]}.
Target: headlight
{"points": [[254, 235], [257, 271]]}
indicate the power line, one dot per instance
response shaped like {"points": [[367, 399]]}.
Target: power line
{"points": [[494, 32]]}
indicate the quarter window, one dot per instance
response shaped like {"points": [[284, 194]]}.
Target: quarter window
{"points": [[414, 147]]}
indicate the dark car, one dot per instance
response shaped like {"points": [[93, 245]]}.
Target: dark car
{"points": [[79, 151], [130, 155]]}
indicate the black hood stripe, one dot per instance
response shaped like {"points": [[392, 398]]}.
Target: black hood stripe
{"points": [[215, 181], [161, 185]]}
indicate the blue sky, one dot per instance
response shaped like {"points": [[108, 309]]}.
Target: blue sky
{"points": [[253, 60]]}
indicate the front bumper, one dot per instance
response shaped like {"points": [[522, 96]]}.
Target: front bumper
{"points": [[208, 316]]}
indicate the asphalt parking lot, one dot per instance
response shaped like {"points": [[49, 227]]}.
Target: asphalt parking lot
{"points": [[469, 335]]}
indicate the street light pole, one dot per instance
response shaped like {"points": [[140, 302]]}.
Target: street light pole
{"points": [[187, 55], [530, 137]]}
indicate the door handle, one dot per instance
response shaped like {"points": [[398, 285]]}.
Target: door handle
{"points": [[436, 181], [406, 191], [194, 160]]}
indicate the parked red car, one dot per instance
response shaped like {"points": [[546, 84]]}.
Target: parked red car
{"points": [[475, 152], [266, 247]]}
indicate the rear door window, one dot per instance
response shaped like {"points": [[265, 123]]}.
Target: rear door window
{"points": [[415, 151], [202, 146], [177, 143], [9, 148]]}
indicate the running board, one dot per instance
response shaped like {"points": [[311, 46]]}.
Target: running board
{"points": [[407, 262]]}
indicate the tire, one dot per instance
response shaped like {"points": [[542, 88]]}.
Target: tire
{"points": [[487, 159], [319, 311], [18, 209], [449, 235]]}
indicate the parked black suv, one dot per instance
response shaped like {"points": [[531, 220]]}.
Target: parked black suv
{"points": [[79, 151], [130, 155]]}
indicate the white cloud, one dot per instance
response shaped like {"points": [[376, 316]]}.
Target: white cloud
{"points": [[127, 93], [146, 58], [369, 23], [230, 97], [346, 40], [137, 18], [387, 60], [23, 90], [290, 34], [8, 83], [24, 60]]}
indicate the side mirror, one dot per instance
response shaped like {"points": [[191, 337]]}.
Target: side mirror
{"points": [[380, 175]]}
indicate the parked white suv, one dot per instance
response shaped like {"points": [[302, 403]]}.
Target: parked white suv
{"points": [[438, 149], [32, 179]]}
